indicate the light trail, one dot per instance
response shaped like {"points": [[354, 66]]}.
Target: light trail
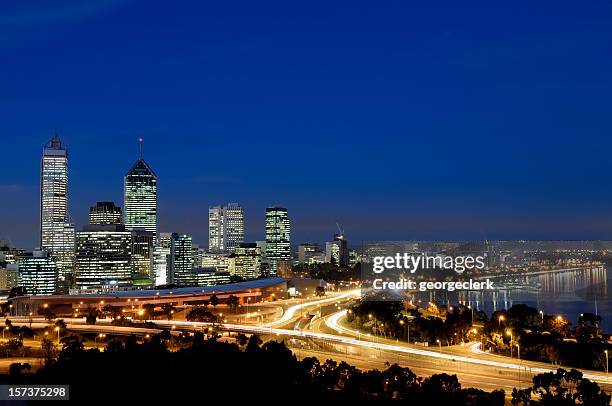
{"points": [[291, 311]]}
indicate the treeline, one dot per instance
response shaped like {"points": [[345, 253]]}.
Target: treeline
{"points": [[247, 370]]}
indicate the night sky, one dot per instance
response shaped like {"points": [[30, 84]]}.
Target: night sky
{"points": [[397, 119]]}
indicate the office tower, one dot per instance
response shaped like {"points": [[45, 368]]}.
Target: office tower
{"points": [[161, 258], [103, 255], [142, 258], [245, 261], [278, 237], [181, 260], [233, 217], [38, 273], [225, 227], [105, 213], [140, 197], [310, 254], [336, 251], [209, 277], [56, 230], [215, 229]]}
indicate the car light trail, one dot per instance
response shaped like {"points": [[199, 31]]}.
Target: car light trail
{"points": [[291, 311]]}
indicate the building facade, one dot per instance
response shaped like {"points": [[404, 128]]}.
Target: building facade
{"points": [[56, 231], [143, 274], [225, 227], [245, 261], [161, 259], [105, 213], [103, 258], [278, 237], [181, 260], [38, 273], [140, 198], [309, 254]]}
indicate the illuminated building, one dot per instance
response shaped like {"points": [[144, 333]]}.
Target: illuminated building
{"points": [[105, 213], [245, 261], [140, 198], [103, 256], [38, 273], [278, 237], [56, 230], [181, 260], [225, 227], [310, 254]]}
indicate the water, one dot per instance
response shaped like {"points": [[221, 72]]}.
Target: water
{"points": [[567, 293]]}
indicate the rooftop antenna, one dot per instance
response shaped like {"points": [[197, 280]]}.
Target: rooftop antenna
{"points": [[140, 141]]}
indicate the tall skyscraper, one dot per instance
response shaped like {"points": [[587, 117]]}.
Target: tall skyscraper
{"points": [[278, 237], [225, 227], [56, 231], [105, 213], [140, 197]]}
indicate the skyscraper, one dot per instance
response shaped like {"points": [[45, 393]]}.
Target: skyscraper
{"points": [[278, 237], [140, 197], [245, 262], [142, 258], [105, 213], [161, 259], [225, 227], [56, 231], [181, 260]]}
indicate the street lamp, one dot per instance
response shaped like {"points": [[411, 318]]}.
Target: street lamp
{"points": [[542, 315], [509, 332], [499, 320], [606, 351], [58, 334], [3, 330], [440, 345]]}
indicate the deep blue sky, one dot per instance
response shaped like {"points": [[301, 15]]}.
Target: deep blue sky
{"points": [[398, 119]]}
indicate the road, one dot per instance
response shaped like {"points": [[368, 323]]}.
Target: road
{"points": [[326, 337]]}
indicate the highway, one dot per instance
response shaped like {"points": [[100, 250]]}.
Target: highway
{"points": [[327, 338]]}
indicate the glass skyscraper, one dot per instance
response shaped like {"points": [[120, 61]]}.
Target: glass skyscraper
{"points": [[278, 237], [140, 198], [37, 273], [181, 260], [56, 231]]}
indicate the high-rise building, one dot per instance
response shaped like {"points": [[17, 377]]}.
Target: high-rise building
{"points": [[181, 260], [56, 230], [140, 198], [278, 237], [310, 254], [245, 261], [143, 274], [103, 256], [336, 251], [105, 213], [161, 258], [225, 227], [215, 229], [9, 276], [38, 273]]}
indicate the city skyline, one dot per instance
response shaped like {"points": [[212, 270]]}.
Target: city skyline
{"points": [[468, 124]]}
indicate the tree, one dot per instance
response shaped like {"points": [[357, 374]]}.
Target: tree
{"points": [[92, 315], [214, 301], [200, 314], [61, 324], [233, 302], [168, 309], [320, 291]]}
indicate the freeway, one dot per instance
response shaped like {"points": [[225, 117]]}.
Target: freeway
{"points": [[474, 367]]}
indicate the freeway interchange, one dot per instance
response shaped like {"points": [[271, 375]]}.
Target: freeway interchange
{"points": [[314, 327]]}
